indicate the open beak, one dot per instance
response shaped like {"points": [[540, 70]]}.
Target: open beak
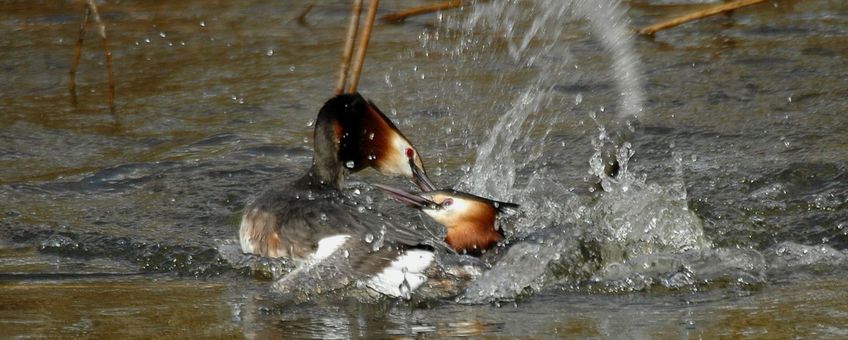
{"points": [[419, 177], [407, 198]]}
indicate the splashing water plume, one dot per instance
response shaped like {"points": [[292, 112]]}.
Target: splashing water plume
{"points": [[495, 168], [533, 34], [564, 237]]}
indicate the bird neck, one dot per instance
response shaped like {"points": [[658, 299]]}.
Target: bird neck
{"points": [[327, 169], [473, 237]]}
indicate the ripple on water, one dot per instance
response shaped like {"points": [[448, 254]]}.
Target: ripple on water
{"points": [[752, 103]]}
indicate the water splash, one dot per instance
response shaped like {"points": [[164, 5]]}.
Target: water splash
{"points": [[532, 33], [634, 217], [632, 222], [610, 23], [494, 172]]}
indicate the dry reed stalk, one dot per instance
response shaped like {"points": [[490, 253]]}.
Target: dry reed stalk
{"points": [[713, 10]]}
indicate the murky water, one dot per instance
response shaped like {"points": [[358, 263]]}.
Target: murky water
{"points": [[729, 219]]}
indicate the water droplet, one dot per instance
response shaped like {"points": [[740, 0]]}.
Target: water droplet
{"points": [[324, 217], [350, 164], [310, 122], [578, 99], [147, 40], [291, 68], [371, 136], [162, 34], [346, 253], [379, 243], [270, 52], [369, 238], [203, 24]]}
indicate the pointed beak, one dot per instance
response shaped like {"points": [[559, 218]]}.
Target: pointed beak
{"points": [[419, 177], [407, 198]]}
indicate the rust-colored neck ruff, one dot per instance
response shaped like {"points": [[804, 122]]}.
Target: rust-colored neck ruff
{"points": [[473, 236]]}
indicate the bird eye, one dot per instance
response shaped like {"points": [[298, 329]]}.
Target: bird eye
{"points": [[410, 153], [447, 202]]}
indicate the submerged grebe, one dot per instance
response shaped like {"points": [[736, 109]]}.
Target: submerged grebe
{"points": [[471, 221], [311, 220]]}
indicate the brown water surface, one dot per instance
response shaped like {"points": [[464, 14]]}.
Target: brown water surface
{"points": [[114, 225]]}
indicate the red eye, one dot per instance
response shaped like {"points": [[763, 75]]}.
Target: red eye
{"points": [[447, 202], [410, 153]]}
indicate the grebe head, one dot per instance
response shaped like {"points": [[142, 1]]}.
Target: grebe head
{"points": [[361, 136], [470, 220]]}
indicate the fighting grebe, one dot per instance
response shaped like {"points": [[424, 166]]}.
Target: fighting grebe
{"points": [[471, 221], [311, 220]]}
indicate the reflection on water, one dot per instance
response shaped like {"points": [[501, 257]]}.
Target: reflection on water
{"points": [[118, 224]]}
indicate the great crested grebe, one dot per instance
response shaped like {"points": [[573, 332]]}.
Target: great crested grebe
{"points": [[471, 221], [310, 219]]}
